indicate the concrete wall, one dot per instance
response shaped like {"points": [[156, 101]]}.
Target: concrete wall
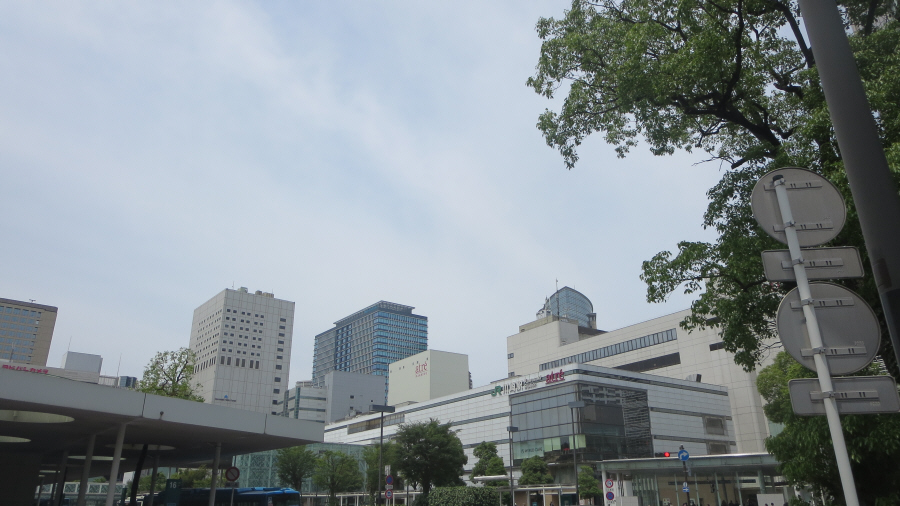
{"points": [[428, 375], [351, 393]]}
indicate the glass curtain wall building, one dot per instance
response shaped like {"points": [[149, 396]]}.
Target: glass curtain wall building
{"points": [[572, 304], [367, 341]]}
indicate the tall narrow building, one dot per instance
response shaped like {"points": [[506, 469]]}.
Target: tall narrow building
{"points": [[368, 340], [26, 330], [243, 346]]}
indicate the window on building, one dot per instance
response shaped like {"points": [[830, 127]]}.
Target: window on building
{"points": [[283, 321], [229, 361], [511, 355], [280, 342], [276, 391], [277, 379], [714, 425]]}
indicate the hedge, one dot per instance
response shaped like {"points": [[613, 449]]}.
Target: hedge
{"points": [[463, 496]]}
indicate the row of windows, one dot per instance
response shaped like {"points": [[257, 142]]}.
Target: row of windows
{"points": [[375, 423], [17, 319], [13, 333], [614, 349], [26, 328], [7, 347], [20, 312], [239, 362], [422, 339], [15, 357], [17, 342], [406, 319], [247, 313]]}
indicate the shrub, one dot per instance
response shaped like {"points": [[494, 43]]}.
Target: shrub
{"points": [[462, 496]]}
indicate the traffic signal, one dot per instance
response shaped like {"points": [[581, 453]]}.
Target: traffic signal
{"points": [[667, 454], [662, 454]]}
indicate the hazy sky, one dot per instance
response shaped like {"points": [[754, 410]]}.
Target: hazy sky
{"points": [[334, 153]]}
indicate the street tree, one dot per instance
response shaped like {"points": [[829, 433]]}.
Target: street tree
{"points": [[535, 472], [337, 472], [171, 374], [293, 465], [430, 454], [588, 484], [736, 80], [804, 449], [194, 477], [489, 464], [388, 458]]}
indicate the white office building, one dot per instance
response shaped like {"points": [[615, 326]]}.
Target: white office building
{"points": [[428, 375], [659, 347], [243, 346]]}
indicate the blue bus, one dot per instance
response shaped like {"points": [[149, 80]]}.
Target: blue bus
{"points": [[255, 496]]}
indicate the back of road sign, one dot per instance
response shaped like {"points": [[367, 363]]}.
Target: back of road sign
{"points": [[816, 204], [850, 332], [821, 263], [854, 395]]}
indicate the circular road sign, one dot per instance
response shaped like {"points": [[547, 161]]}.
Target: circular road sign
{"points": [[389, 479], [683, 455], [610, 496], [850, 332], [388, 494], [232, 474], [816, 205], [609, 484]]}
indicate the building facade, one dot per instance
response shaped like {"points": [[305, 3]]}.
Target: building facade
{"points": [[243, 345], [660, 347], [626, 415], [368, 341], [26, 330], [428, 375], [305, 401]]}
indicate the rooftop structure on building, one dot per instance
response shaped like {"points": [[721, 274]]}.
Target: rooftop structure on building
{"points": [[26, 330], [571, 304], [428, 375], [243, 345], [369, 340], [87, 362]]}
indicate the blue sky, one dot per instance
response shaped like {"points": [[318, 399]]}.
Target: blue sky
{"points": [[337, 154]]}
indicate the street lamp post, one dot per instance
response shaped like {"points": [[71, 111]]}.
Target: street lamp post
{"points": [[380, 408], [512, 489], [573, 406]]}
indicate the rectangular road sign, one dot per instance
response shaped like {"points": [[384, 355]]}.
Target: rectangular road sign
{"points": [[854, 395], [821, 263], [389, 487]]}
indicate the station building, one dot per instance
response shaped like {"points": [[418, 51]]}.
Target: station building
{"points": [[626, 415]]}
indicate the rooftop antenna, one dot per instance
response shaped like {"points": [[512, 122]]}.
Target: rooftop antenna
{"points": [[69, 347], [119, 366]]}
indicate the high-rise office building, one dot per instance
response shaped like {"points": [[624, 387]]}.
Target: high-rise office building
{"points": [[26, 330], [368, 340], [243, 346]]}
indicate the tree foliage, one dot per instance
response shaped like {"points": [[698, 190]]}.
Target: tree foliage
{"points": [[804, 448], [463, 496], [430, 454], [388, 458], [337, 472], [293, 465], [170, 373], [588, 484], [489, 464], [535, 472], [193, 478], [735, 79]]}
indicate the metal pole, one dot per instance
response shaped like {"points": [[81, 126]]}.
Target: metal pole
{"points": [[874, 192], [86, 470], [815, 342], [155, 472], [380, 459], [737, 478], [677, 500], [60, 489], [512, 487], [215, 474], [575, 458]]}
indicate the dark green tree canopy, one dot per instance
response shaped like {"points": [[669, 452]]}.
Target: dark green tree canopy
{"points": [[489, 464], [389, 458], [337, 472], [736, 80], [588, 484], [293, 465], [430, 454], [171, 373], [535, 472], [804, 447]]}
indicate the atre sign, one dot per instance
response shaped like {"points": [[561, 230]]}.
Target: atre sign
{"points": [[522, 385]]}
